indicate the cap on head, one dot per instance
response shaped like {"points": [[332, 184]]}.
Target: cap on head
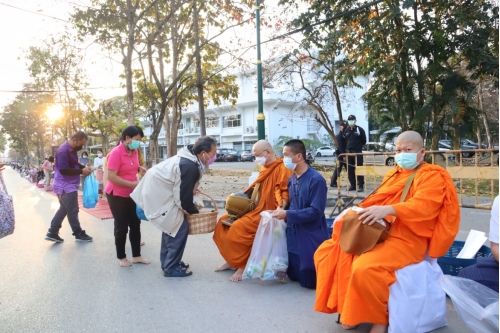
{"points": [[343, 123], [351, 117]]}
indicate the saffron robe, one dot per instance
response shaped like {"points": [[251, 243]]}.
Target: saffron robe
{"points": [[235, 242], [357, 287]]}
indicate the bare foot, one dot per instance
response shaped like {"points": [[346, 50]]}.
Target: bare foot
{"points": [[379, 328], [348, 327], [224, 267], [143, 243], [140, 260], [124, 262], [237, 276]]}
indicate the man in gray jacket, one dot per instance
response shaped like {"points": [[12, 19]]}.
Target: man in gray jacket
{"points": [[166, 193]]}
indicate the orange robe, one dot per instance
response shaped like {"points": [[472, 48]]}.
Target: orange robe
{"points": [[235, 242], [357, 287]]}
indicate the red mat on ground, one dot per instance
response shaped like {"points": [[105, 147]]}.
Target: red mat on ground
{"points": [[101, 210]]}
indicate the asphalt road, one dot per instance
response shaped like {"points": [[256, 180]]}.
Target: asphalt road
{"points": [[79, 287]]}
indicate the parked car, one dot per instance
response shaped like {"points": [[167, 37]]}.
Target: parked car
{"points": [[378, 147], [238, 155], [447, 144], [325, 151], [230, 156], [220, 153], [247, 155]]}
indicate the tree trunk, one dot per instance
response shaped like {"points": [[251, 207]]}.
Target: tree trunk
{"points": [[485, 118], [199, 74], [171, 124], [127, 63]]}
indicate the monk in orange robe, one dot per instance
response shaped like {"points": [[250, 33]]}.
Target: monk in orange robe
{"points": [[235, 242], [357, 287]]}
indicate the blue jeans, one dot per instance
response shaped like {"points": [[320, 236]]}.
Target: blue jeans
{"points": [[68, 207]]}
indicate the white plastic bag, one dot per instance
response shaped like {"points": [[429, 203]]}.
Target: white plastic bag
{"points": [[417, 303], [269, 257], [476, 304]]}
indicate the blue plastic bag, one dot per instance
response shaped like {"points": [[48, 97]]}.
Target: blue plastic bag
{"points": [[140, 213], [90, 192]]}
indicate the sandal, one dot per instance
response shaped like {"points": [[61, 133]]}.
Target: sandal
{"points": [[178, 272], [184, 265]]}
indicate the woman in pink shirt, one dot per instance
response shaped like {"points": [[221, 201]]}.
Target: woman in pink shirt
{"points": [[48, 167], [123, 165]]}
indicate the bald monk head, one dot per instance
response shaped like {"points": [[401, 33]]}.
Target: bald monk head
{"points": [[410, 150], [264, 153]]}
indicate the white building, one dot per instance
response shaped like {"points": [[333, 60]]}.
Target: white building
{"points": [[236, 126]]}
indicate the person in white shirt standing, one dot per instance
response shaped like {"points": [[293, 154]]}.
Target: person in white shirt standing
{"points": [[99, 170], [485, 271]]}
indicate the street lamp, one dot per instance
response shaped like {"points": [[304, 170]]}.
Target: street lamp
{"points": [[260, 115]]}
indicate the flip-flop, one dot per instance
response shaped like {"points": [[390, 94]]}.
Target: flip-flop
{"points": [[348, 327], [184, 264], [178, 272]]}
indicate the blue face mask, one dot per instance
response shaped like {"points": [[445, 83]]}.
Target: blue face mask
{"points": [[134, 144], [287, 161], [350, 122], [407, 161]]}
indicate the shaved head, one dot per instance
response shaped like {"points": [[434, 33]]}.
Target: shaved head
{"points": [[410, 142], [263, 148], [413, 137]]}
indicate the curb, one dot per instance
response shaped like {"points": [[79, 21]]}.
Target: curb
{"points": [[330, 202]]}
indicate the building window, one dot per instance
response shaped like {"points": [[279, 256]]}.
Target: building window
{"points": [[212, 121], [232, 121], [196, 122]]}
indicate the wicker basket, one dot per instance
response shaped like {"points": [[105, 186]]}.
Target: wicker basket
{"points": [[204, 222], [451, 265]]}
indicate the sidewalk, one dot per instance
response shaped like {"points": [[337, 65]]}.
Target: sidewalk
{"points": [[79, 287]]}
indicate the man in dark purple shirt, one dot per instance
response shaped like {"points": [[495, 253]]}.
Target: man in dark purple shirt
{"points": [[66, 183]]}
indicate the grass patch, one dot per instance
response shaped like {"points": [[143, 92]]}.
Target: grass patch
{"points": [[484, 187]]}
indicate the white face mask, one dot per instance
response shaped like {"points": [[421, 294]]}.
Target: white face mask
{"points": [[99, 155], [261, 160]]}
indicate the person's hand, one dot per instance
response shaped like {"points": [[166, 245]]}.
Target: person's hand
{"points": [[279, 213], [142, 170], [86, 171], [196, 192], [371, 214], [134, 184]]}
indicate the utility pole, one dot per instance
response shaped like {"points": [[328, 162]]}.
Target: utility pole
{"points": [[261, 135]]}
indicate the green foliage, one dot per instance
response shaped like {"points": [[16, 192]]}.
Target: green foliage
{"points": [[422, 56]]}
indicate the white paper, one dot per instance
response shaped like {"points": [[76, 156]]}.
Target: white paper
{"points": [[473, 243]]}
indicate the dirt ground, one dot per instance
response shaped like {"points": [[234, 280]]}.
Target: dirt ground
{"points": [[220, 183]]}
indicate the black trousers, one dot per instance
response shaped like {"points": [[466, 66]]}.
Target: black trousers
{"points": [[337, 171], [123, 210], [351, 168]]}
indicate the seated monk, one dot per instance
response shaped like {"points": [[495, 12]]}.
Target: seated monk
{"points": [[235, 242], [357, 287]]}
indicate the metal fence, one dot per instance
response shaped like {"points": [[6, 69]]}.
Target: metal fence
{"points": [[475, 173]]}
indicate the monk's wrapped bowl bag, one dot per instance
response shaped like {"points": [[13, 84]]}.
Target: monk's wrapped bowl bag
{"points": [[238, 204], [357, 238], [203, 222]]}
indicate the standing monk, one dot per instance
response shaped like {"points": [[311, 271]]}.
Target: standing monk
{"points": [[235, 242], [357, 287]]}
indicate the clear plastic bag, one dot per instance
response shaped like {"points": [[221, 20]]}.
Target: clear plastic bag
{"points": [[269, 257], [476, 304], [198, 202]]}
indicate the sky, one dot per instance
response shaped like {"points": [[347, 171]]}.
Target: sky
{"points": [[26, 26], [22, 29]]}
